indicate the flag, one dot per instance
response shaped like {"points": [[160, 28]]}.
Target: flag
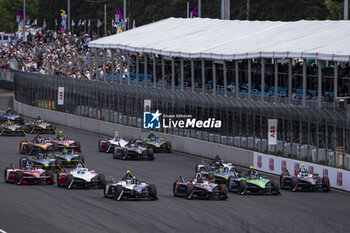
{"points": [[35, 22], [133, 24], [99, 24], [89, 23], [73, 24], [56, 22], [44, 24], [79, 22], [113, 23], [28, 21]]}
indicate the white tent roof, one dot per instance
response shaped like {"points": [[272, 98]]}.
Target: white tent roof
{"points": [[229, 40]]}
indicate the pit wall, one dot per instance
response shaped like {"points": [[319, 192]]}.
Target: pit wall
{"points": [[182, 144], [338, 178]]}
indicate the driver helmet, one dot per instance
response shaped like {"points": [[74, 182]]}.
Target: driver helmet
{"points": [[116, 136], [65, 151], [251, 167], [221, 170]]}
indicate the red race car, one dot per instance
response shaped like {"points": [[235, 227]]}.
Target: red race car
{"points": [[60, 143], [27, 175]]}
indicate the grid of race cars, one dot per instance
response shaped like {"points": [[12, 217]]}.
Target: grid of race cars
{"points": [[60, 161]]}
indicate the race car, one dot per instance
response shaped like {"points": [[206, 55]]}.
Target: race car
{"points": [[61, 142], [108, 145], [123, 149], [199, 188], [39, 126], [304, 181], [10, 114], [133, 151], [66, 159], [130, 188], [157, 144], [80, 177], [11, 129], [37, 145], [43, 161], [27, 175], [253, 183]]}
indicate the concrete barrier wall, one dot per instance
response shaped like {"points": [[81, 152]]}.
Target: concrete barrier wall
{"points": [[182, 144]]}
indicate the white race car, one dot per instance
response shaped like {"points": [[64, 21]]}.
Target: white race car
{"points": [[130, 188], [80, 177]]}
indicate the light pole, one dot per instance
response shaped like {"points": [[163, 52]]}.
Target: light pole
{"points": [[199, 8], [24, 20], [346, 9], [68, 9]]}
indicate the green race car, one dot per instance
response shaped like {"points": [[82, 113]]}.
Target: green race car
{"points": [[157, 144], [253, 183]]}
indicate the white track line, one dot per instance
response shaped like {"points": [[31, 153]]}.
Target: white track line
{"points": [[2, 231]]}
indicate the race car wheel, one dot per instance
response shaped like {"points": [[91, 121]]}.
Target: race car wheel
{"points": [[54, 146], [116, 154], [19, 175], [99, 146], [107, 145], [59, 184], [102, 181], [326, 184], [150, 155], [211, 176], [29, 148], [223, 192], [242, 187], [6, 174], [77, 144], [174, 189], [22, 148], [189, 191], [153, 191], [118, 191], [22, 162], [68, 181], [168, 146], [294, 183], [275, 186]]}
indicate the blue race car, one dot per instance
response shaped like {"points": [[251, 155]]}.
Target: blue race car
{"points": [[11, 115]]}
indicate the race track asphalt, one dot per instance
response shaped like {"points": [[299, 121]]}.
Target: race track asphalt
{"points": [[52, 209]]}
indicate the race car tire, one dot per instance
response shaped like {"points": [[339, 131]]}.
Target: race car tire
{"points": [[326, 184], [55, 146], [22, 149], [168, 146], [153, 191], [68, 181], [19, 121], [50, 173], [294, 183], [102, 181], [276, 186], [29, 148], [242, 187], [150, 154], [5, 173], [99, 146], [117, 154], [118, 191], [229, 179], [174, 189], [59, 184], [189, 190], [77, 144], [22, 162], [107, 145], [19, 175], [125, 151], [223, 192]]}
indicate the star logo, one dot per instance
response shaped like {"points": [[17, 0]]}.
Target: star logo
{"points": [[156, 115]]}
